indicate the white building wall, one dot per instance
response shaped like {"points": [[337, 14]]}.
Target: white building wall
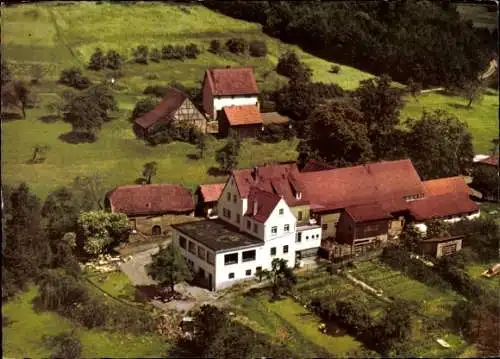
{"points": [[239, 269], [198, 262], [423, 227], [224, 202], [310, 238], [222, 101]]}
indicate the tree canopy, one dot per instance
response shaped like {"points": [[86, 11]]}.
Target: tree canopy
{"points": [[281, 277], [227, 156]]}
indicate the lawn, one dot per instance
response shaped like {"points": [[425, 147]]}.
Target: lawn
{"points": [[287, 316], [476, 269], [23, 338]]}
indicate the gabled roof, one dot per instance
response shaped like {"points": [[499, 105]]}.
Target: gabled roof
{"points": [[211, 192], [243, 115], [164, 110], [265, 201], [232, 81], [376, 182], [446, 185], [151, 199], [450, 204], [367, 212], [280, 179]]}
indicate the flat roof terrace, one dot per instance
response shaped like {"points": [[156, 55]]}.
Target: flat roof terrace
{"points": [[217, 235]]}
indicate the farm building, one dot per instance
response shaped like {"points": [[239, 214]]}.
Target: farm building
{"points": [[438, 247], [228, 87], [242, 121], [175, 108], [150, 207], [207, 196]]}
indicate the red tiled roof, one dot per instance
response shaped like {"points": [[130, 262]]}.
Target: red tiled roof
{"points": [[491, 160], [232, 81], [367, 212], [315, 165], [446, 185], [378, 182], [164, 110], [450, 204], [265, 201], [211, 192], [151, 199], [280, 179], [243, 115]]}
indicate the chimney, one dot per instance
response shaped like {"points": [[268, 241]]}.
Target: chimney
{"points": [[255, 173], [254, 212]]}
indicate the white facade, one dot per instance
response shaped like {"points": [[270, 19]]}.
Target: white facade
{"points": [[423, 227], [222, 101], [279, 236]]}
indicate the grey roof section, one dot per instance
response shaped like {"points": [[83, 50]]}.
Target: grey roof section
{"points": [[217, 235]]}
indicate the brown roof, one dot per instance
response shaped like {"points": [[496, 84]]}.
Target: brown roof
{"points": [[151, 199], [446, 185], [280, 179], [450, 204], [164, 110], [377, 182], [367, 212], [265, 201], [243, 115], [211, 192], [315, 165], [274, 118], [491, 160], [232, 81]]}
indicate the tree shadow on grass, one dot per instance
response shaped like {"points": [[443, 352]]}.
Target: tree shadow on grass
{"points": [[216, 172], [193, 157], [10, 116], [49, 118], [77, 137], [37, 304], [459, 106]]}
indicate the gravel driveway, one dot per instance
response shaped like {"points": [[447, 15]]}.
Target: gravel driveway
{"points": [[134, 267]]}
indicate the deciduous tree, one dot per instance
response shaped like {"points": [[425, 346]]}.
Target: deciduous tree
{"points": [[16, 93], [169, 267], [281, 276], [201, 145], [114, 60], [66, 345], [227, 156], [439, 145], [141, 54], [60, 213], [143, 106], [98, 60], [149, 171]]}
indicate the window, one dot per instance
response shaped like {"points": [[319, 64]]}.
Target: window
{"points": [[273, 251], [307, 237], [182, 242], [449, 249], [299, 237], [281, 211], [274, 230], [248, 224], [210, 257], [228, 214], [231, 275], [231, 258], [228, 196], [238, 218], [156, 231], [234, 198], [324, 227], [287, 227], [248, 256], [248, 272], [201, 252], [255, 227], [258, 269], [285, 249], [299, 216], [192, 247]]}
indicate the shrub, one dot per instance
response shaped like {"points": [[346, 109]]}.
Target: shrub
{"points": [[66, 345], [274, 133], [97, 61], [168, 133], [215, 47], [144, 106], [73, 77], [59, 291], [155, 55], [290, 66], [335, 69], [237, 45], [192, 51], [179, 52], [91, 314], [258, 48], [156, 90], [141, 54], [129, 319], [114, 60]]}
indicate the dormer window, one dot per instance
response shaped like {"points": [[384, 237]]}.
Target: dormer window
{"points": [[229, 196]]}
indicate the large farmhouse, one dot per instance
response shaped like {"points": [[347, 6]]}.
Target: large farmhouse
{"points": [[275, 211], [149, 207], [228, 87], [175, 108]]}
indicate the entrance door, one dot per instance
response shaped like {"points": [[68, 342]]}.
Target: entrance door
{"points": [[210, 285], [156, 230]]}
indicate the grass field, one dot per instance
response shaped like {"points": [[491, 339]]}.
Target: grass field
{"points": [[304, 338], [23, 338], [57, 37], [475, 270]]}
